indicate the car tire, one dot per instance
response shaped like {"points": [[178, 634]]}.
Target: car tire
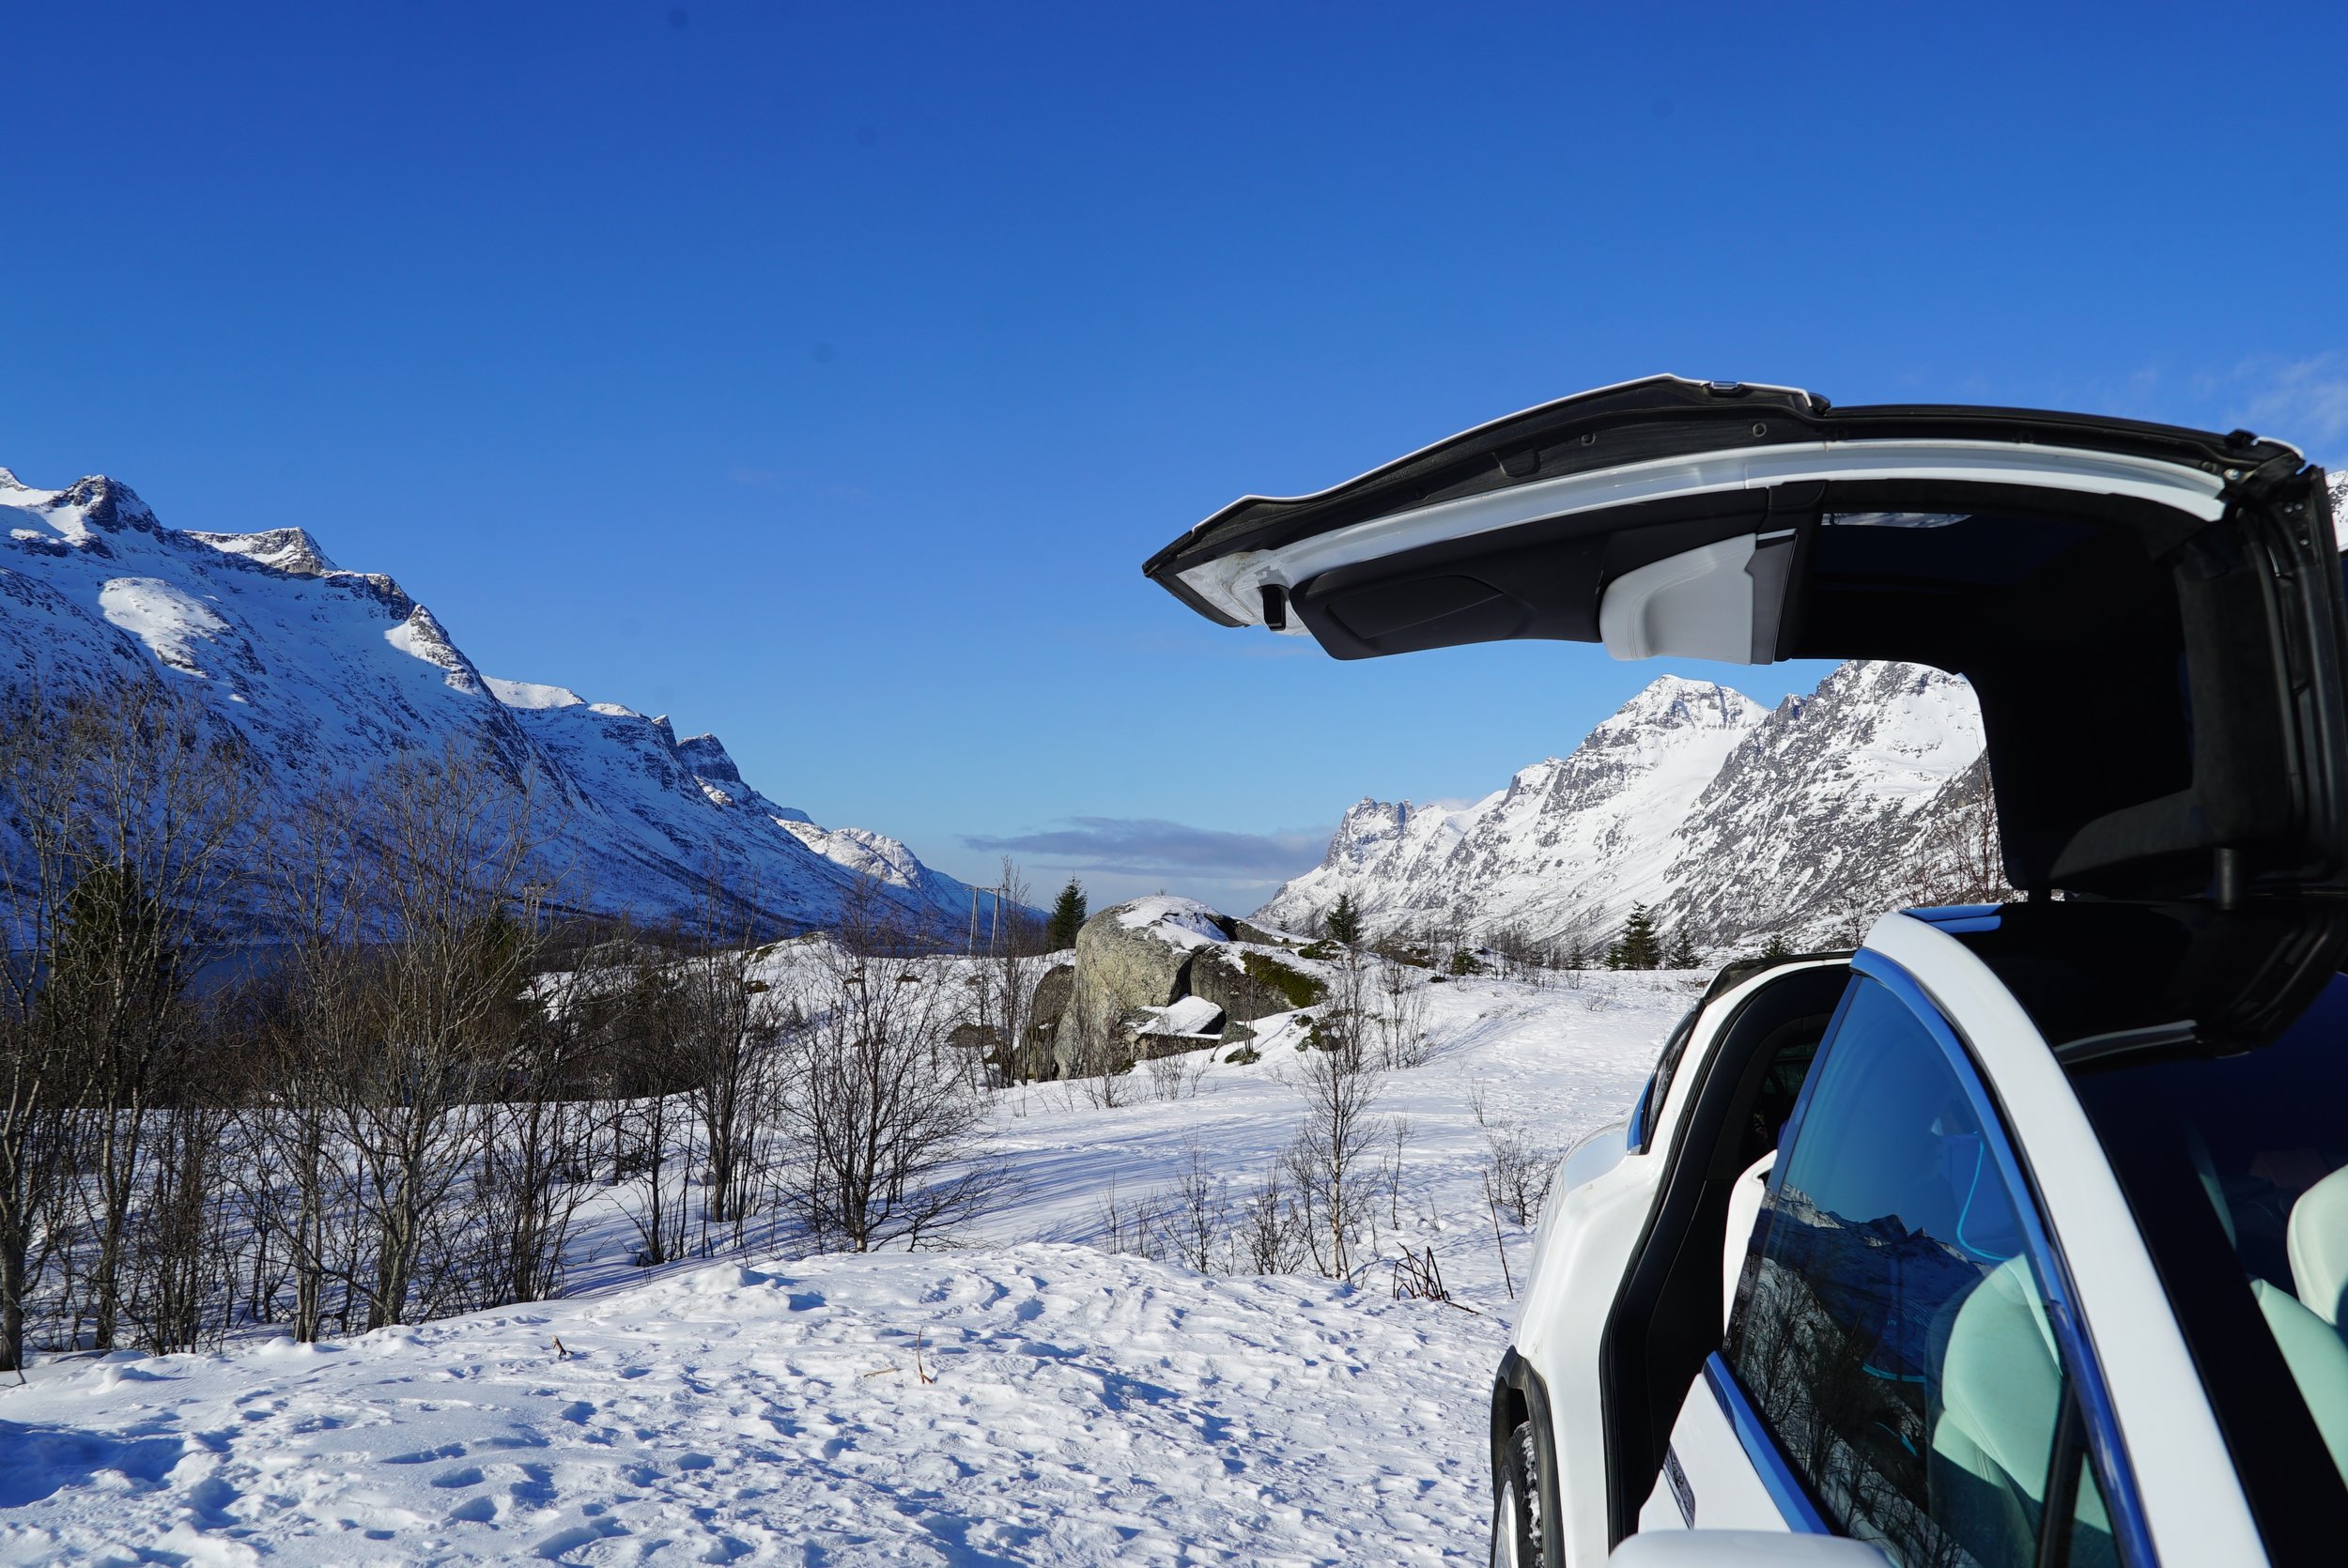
{"points": [[1517, 1504]]}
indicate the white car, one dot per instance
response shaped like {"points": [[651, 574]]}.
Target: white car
{"points": [[2019, 1235]]}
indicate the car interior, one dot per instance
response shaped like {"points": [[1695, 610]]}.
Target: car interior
{"points": [[2204, 1045], [1667, 1318]]}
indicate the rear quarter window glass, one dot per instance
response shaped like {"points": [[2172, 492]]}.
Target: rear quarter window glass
{"points": [[1889, 1327]]}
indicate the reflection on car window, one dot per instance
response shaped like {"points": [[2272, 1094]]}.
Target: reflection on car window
{"points": [[1659, 1085], [2090, 1531], [1889, 1327]]}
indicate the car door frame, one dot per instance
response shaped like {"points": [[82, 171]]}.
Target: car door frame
{"points": [[1592, 1226], [1630, 1367], [2160, 1459], [2086, 1399]]}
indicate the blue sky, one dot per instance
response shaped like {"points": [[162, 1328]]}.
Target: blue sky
{"points": [[820, 375]]}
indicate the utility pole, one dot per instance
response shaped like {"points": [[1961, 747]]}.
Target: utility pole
{"points": [[994, 922]]}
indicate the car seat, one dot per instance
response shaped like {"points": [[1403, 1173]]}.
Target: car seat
{"points": [[2317, 1239]]}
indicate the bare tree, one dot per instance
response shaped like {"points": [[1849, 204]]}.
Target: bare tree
{"points": [[531, 1172], [885, 1117], [1272, 1234], [311, 1015], [1516, 1169], [127, 805], [1196, 1216], [1005, 979], [1398, 1021], [1104, 1054], [729, 1020], [449, 843], [1332, 1160], [1176, 1074], [180, 1235]]}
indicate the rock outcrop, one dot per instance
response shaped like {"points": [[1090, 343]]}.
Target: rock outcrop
{"points": [[1130, 955], [1162, 975]]}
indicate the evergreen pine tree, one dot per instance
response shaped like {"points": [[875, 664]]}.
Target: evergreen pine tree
{"points": [[1776, 949], [1343, 923], [1639, 946], [111, 944], [1068, 915], [1683, 955]]}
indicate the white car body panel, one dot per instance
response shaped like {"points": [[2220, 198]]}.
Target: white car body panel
{"points": [[1587, 1235], [1721, 1480], [1558, 1331], [2192, 1503], [2193, 1508]]}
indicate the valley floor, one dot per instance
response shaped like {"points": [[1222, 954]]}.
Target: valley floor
{"points": [[1029, 1398]]}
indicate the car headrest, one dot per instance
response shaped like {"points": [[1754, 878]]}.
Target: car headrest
{"points": [[2317, 1239]]}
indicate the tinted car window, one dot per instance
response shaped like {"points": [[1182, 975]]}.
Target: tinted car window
{"points": [[1889, 1326], [2087, 1539], [2234, 1163], [1659, 1083]]}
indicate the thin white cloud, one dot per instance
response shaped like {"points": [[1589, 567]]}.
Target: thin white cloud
{"points": [[2303, 401], [1147, 846]]}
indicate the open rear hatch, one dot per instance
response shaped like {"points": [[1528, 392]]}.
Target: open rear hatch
{"points": [[2151, 617]]}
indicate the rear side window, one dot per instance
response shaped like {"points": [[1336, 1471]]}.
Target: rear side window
{"points": [[1889, 1327], [1658, 1084], [2234, 1163]]}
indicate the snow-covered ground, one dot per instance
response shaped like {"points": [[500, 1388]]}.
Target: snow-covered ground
{"points": [[1028, 1398]]}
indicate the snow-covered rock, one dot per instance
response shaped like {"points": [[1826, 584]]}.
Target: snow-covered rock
{"points": [[1728, 819], [1129, 956], [329, 674], [1193, 1015]]}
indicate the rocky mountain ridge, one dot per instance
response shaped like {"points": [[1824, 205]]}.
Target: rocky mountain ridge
{"points": [[1732, 821], [328, 674]]}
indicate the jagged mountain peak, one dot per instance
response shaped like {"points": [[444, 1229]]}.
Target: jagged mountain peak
{"points": [[281, 550], [1719, 813], [707, 757], [1675, 701]]}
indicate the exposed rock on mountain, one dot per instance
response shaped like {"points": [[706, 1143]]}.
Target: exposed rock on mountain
{"points": [[1568, 838], [1824, 815], [1731, 821], [329, 674]]}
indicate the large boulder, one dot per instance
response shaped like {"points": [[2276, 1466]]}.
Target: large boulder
{"points": [[1250, 985], [1269, 936], [1130, 955], [1035, 1058]]}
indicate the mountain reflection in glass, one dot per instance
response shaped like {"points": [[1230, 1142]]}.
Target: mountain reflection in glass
{"points": [[1887, 1324]]}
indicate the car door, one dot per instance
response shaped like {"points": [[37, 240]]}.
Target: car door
{"points": [[2151, 617], [1892, 1368]]}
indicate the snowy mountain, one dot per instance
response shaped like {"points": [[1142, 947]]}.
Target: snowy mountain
{"points": [[1566, 833], [330, 673], [1733, 821]]}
